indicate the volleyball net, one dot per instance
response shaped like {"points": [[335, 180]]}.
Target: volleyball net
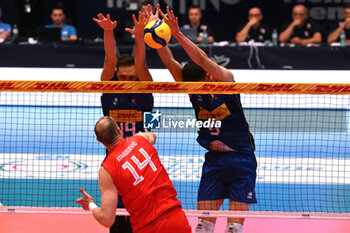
{"points": [[48, 148]]}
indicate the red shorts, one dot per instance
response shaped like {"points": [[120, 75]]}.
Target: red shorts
{"points": [[172, 221]]}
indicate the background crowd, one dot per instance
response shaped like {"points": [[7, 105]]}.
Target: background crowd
{"points": [[31, 20]]}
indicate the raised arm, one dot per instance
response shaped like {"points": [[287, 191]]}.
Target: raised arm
{"points": [[170, 63], [105, 215], [140, 47], [217, 72], [109, 45], [165, 53]]}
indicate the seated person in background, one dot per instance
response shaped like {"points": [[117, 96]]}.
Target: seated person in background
{"points": [[195, 16], [301, 31], [129, 38], [5, 29], [343, 26], [68, 32], [254, 29]]}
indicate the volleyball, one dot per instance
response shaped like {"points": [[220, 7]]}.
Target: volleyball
{"points": [[157, 34]]}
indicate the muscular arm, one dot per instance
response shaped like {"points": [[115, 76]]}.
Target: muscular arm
{"points": [[140, 48], [110, 56], [286, 34], [218, 73], [105, 215], [109, 199], [109, 46], [151, 137], [170, 63]]}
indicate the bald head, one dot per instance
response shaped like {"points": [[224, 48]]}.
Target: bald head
{"points": [[254, 11], [299, 13], [106, 130]]}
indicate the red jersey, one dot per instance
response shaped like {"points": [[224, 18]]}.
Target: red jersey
{"points": [[141, 180]]}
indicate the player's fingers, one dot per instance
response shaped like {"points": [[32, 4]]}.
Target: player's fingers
{"points": [[134, 19], [158, 8], [83, 192], [168, 12], [79, 200], [96, 20], [129, 30], [108, 17], [172, 15], [100, 16], [162, 14], [143, 18], [140, 16]]}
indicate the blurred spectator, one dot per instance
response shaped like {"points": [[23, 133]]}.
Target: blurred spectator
{"points": [[129, 38], [146, 3], [68, 32], [5, 29], [343, 26], [195, 16], [254, 29], [30, 17], [301, 31]]}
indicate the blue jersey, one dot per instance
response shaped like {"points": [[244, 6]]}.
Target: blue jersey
{"points": [[127, 109], [4, 27], [233, 134], [66, 30]]}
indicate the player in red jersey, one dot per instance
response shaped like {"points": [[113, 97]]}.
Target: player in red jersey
{"points": [[133, 170]]}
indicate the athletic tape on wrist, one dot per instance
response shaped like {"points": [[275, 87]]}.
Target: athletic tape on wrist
{"points": [[92, 206]]}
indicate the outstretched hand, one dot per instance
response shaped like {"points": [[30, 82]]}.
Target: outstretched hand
{"points": [[105, 23], [84, 201], [149, 12], [171, 20], [140, 25]]}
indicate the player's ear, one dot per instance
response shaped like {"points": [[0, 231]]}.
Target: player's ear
{"points": [[120, 132]]}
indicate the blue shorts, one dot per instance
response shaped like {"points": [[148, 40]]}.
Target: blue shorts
{"points": [[228, 175]]}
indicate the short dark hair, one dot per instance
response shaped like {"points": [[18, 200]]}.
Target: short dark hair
{"points": [[194, 7], [193, 73], [347, 6], [106, 130], [125, 60], [57, 8], [146, 2]]}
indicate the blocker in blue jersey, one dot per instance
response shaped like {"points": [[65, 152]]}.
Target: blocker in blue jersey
{"points": [[229, 170], [126, 109]]}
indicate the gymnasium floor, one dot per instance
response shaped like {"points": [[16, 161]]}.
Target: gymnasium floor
{"points": [[59, 223]]}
